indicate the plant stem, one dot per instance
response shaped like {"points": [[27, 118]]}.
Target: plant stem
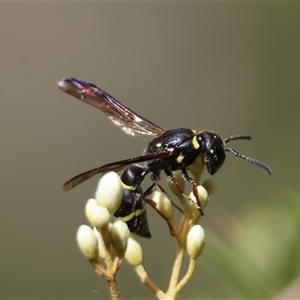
{"points": [[171, 293], [149, 283], [114, 291], [187, 276]]}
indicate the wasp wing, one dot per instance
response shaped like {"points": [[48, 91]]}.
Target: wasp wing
{"points": [[114, 166], [128, 120]]}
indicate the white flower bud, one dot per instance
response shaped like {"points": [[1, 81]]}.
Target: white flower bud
{"points": [[195, 241], [90, 206], [119, 236], [210, 185], [101, 246], [134, 252], [180, 180], [99, 217], [202, 194], [197, 169], [87, 242], [109, 191], [163, 204]]}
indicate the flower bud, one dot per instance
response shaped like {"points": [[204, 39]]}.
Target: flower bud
{"points": [[197, 169], [163, 204], [109, 191], [102, 249], [119, 236], [134, 252], [195, 241], [180, 180], [202, 195], [87, 242], [90, 206], [100, 217], [210, 185]]}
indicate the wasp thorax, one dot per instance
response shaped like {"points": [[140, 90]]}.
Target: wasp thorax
{"points": [[212, 150]]}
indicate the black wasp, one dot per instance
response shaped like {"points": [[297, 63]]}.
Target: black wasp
{"points": [[169, 151]]}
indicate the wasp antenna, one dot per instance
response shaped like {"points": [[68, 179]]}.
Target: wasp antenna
{"points": [[251, 160], [237, 137]]}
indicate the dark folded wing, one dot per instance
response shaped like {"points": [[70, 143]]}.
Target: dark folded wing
{"points": [[114, 166], [128, 120]]}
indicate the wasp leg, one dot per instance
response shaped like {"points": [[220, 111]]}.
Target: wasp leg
{"points": [[150, 189], [153, 205], [160, 188], [179, 189], [189, 179]]}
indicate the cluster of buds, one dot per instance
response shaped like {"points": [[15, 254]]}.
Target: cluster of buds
{"points": [[110, 242]]}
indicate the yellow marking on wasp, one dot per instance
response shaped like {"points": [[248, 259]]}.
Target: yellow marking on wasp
{"points": [[133, 214], [140, 211], [211, 151], [127, 187], [195, 142], [158, 145], [180, 158], [129, 217]]}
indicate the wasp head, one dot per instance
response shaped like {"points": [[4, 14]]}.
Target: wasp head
{"points": [[212, 150]]}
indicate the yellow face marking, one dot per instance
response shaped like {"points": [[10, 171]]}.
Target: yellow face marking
{"points": [[211, 151], [195, 142], [158, 145]]}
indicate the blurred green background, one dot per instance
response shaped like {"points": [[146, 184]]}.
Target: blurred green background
{"points": [[229, 67]]}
